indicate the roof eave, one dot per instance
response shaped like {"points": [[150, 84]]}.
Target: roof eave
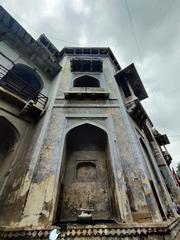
{"points": [[96, 51], [130, 73], [17, 36]]}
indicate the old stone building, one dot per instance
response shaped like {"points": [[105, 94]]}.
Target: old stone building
{"points": [[78, 151]]}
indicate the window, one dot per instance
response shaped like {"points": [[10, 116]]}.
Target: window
{"points": [[86, 81]]}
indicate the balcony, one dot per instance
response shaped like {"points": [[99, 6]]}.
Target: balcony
{"points": [[162, 139], [86, 93], [18, 92], [167, 157]]}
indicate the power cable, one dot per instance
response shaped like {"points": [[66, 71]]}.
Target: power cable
{"points": [[166, 12], [133, 30]]}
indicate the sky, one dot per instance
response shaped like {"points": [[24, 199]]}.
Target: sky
{"points": [[144, 32]]}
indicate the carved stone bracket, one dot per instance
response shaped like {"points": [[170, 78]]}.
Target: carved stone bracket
{"points": [[137, 112]]}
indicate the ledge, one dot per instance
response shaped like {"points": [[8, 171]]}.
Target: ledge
{"points": [[78, 231], [30, 108], [86, 93]]}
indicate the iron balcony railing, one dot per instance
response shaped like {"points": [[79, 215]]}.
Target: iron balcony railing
{"points": [[18, 86]]}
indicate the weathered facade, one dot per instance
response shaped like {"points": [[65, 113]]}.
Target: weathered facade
{"points": [[78, 151]]}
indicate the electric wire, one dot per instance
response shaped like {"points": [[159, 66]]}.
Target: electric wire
{"points": [[131, 20], [166, 12]]}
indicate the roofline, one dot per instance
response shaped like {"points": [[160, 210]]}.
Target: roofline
{"points": [[86, 51], [14, 34]]}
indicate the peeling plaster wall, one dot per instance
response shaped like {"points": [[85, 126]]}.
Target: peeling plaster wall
{"points": [[18, 166], [128, 180], [11, 197]]}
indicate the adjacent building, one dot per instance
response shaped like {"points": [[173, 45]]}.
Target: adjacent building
{"points": [[78, 152]]}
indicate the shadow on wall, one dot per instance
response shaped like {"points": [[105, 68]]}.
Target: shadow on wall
{"points": [[9, 137]]}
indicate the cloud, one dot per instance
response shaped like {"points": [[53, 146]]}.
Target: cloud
{"points": [[150, 40]]}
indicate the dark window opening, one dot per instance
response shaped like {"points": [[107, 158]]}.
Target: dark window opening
{"points": [[148, 134], [86, 65], [125, 89], [86, 81]]}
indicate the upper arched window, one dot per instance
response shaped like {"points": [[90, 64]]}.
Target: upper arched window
{"points": [[86, 81], [24, 81]]}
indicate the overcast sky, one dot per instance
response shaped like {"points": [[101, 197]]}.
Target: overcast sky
{"points": [[146, 32]]}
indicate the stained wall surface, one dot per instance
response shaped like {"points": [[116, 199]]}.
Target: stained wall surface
{"points": [[82, 153]]}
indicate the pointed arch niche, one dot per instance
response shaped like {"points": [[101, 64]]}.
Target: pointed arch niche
{"points": [[86, 81], [86, 180]]}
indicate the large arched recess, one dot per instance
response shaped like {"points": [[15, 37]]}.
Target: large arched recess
{"points": [[9, 137], [86, 175], [24, 81], [86, 81]]}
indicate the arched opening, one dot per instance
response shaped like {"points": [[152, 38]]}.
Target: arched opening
{"points": [[24, 81], [8, 138], [85, 175], [86, 81]]}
